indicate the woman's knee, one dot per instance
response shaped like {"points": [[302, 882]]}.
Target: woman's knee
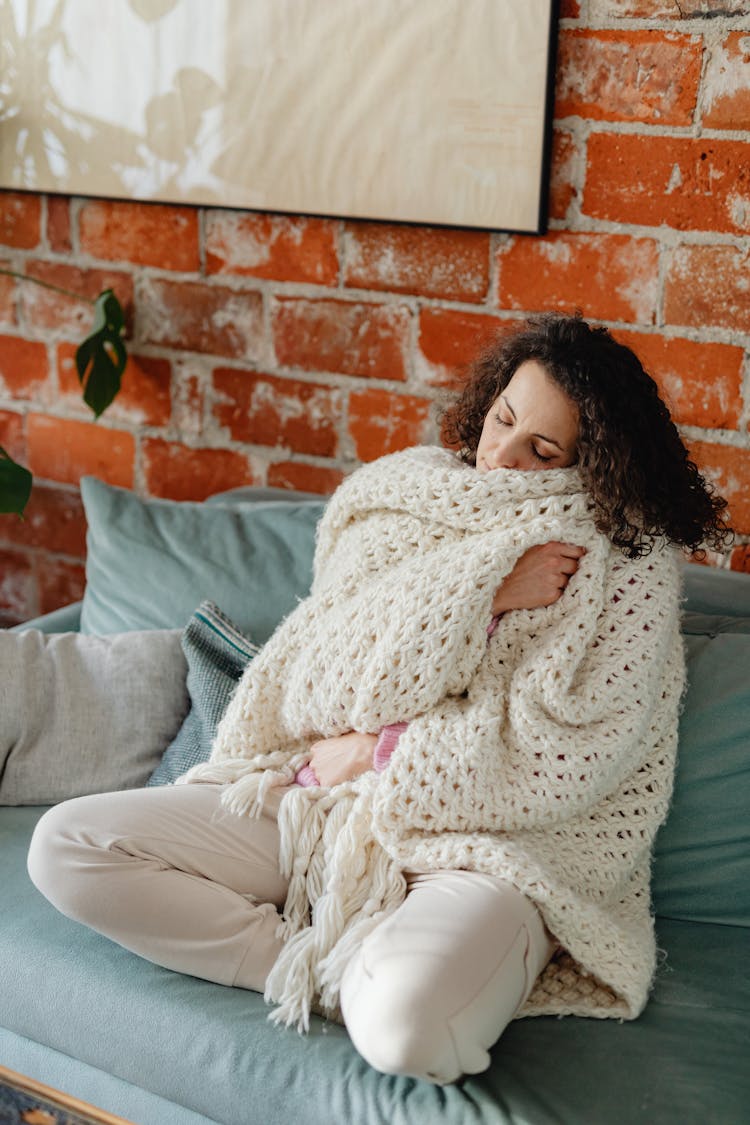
{"points": [[414, 1008], [396, 1028], [57, 855]]}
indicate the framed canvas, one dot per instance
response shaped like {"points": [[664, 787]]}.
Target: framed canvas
{"points": [[419, 111]]}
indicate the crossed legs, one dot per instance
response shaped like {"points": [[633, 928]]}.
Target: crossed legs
{"points": [[171, 876]]}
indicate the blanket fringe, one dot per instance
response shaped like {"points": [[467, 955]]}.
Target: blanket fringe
{"points": [[301, 823], [224, 772], [386, 893], [247, 783], [323, 930]]}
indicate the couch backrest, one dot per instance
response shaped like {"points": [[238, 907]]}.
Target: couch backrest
{"points": [[713, 591]]}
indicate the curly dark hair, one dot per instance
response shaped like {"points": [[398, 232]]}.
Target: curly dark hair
{"points": [[634, 465]]}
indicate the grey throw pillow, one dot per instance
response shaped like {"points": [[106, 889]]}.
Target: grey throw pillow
{"points": [[217, 654], [86, 714]]}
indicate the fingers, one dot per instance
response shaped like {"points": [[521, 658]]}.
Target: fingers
{"points": [[564, 558], [567, 550], [564, 562], [539, 577], [569, 566]]}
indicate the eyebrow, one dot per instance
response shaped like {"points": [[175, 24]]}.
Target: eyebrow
{"points": [[542, 437]]}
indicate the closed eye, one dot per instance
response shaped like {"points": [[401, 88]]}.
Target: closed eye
{"points": [[539, 456]]}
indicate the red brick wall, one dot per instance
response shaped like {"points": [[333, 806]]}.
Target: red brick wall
{"points": [[285, 350]]}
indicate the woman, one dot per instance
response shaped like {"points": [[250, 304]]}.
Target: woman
{"points": [[449, 763]]}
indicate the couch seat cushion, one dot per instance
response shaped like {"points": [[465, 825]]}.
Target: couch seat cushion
{"points": [[211, 1048]]}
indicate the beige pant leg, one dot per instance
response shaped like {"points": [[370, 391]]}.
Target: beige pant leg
{"points": [[434, 986], [168, 874]]}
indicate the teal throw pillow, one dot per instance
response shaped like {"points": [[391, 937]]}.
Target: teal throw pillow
{"points": [[151, 562], [217, 654]]}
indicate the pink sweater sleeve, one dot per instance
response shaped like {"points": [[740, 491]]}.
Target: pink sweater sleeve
{"points": [[306, 776], [386, 744]]}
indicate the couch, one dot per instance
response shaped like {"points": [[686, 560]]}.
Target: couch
{"points": [[83, 1015]]}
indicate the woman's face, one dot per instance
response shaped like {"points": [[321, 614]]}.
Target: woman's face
{"points": [[531, 425]]}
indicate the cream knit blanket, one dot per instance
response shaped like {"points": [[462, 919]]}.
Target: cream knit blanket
{"points": [[544, 756]]}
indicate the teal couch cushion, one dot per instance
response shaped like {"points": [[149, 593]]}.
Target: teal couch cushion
{"points": [[151, 562], [712, 590], [212, 1049], [702, 860]]}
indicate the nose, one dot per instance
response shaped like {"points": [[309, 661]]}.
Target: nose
{"points": [[505, 455]]}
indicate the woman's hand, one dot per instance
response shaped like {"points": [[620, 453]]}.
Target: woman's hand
{"points": [[538, 578], [342, 758]]}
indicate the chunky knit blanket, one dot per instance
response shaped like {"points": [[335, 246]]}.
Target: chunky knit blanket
{"points": [[543, 756]]}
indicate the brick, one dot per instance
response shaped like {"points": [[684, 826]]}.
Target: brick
{"points": [[23, 367], [449, 339], [53, 521], [59, 233], [646, 76], [728, 469], [279, 247], [668, 9], [307, 478], [144, 397], [8, 291], [740, 559], [20, 219], [45, 309], [7, 302], [608, 276], [265, 410], [700, 382], [562, 189], [64, 450], [347, 338], [7, 618], [148, 234], [17, 588], [425, 261], [708, 286], [570, 9], [60, 583], [201, 318], [12, 437], [182, 473], [381, 422], [726, 84], [680, 182]]}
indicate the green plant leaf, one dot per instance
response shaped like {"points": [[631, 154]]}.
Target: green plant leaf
{"points": [[101, 358], [15, 484]]}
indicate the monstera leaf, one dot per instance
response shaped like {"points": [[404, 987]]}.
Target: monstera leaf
{"points": [[101, 358], [15, 484], [100, 361]]}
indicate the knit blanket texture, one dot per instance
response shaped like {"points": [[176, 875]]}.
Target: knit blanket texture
{"points": [[544, 755]]}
